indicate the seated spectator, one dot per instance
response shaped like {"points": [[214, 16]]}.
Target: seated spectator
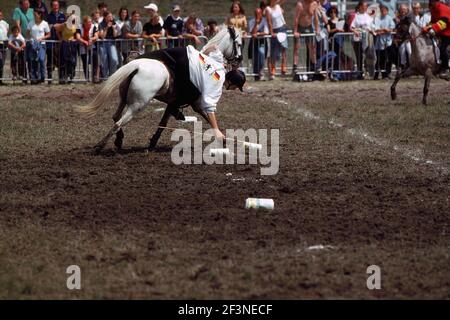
{"points": [[68, 52], [258, 28], [383, 27], [56, 16], [211, 29], [237, 17], [109, 59], [4, 29], [17, 45], [152, 30], [39, 5], [193, 28], [38, 31], [87, 36], [133, 30], [120, 22], [173, 25]]}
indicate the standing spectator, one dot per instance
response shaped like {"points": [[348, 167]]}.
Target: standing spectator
{"points": [[361, 24], [258, 28], [38, 31], [56, 16], [173, 25], [391, 5], [237, 17], [120, 22], [103, 9], [303, 24], [4, 29], [68, 52], [334, 27], [211, 29], [193, 28], [22, 16], [153, 29], [87, 36], [39, 5], [95, 15], [420, 18], [109, 59], [404, 49], [320, 29], [384, 25], [17, 46], [132, 31], [279, 42]]}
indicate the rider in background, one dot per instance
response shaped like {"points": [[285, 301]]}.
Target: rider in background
{"points": [[440, 26]]}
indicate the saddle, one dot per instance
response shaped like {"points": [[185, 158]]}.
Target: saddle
{"points": [[182, 92]]}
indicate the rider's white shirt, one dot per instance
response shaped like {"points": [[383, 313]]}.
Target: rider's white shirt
{"points": [[207, 73]]}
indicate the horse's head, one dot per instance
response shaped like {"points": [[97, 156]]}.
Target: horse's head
{"points": [[234, 52]]}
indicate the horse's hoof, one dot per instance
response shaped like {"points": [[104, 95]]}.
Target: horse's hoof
{"points": [[98, 149], [118, 143], [393, 95]]}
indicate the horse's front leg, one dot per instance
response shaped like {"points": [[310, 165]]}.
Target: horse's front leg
{"points": [[426, 87], [394, 85], [197, 108], [400, 74], [163, 123]]}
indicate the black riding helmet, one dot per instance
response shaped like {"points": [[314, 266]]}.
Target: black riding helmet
{"points": [[236, 77]]}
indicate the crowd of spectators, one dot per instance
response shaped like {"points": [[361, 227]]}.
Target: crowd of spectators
{"points": [[41, 39]]}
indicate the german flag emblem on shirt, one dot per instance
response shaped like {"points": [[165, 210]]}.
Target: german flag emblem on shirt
{"points": [[201, 58], [216, 76]]}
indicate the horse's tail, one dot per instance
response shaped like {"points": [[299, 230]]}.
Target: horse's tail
{"points": [[112, 84]]}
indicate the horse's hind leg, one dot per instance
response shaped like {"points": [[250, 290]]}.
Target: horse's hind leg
{"points": [[123, 90], [426, 86], [117, 126], [119, 134]]}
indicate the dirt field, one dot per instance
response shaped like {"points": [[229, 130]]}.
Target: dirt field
{"points": [[365, 177]]}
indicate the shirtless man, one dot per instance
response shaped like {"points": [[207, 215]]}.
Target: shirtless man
{"points": [[303, 23]]}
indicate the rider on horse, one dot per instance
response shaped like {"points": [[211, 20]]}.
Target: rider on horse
{"points": [[198, 79], [440, 26]]}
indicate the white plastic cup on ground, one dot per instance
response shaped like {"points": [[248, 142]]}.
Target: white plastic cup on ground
{"points": [[190, 119], [256, 203], [250, 145], [222, 151]]}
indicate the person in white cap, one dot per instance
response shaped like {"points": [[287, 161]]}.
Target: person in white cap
{"points": [[173, 25], [152, 10], [153, 29]]}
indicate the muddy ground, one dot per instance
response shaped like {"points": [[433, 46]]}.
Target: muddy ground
{"points": [[366, 178]]}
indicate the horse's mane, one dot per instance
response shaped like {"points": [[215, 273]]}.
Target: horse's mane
{"points": [[223, 31]]}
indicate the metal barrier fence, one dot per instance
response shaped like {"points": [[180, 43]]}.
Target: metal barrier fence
{"points": [[340, 57]]}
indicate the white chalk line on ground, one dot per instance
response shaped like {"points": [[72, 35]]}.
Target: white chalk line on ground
{"points": [[413, 154]]}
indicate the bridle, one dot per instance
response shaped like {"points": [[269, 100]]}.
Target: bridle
{"points": [[236, 58]]}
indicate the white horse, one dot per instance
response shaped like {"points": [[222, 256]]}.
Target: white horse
{"points": [[143, 79]]}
